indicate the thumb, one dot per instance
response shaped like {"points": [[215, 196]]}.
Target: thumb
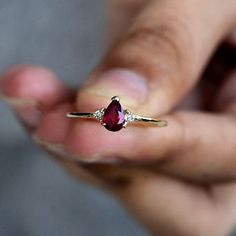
{"points": [[160, 56]]}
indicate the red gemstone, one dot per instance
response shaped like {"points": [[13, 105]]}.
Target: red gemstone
{"points": [[114, 116]]}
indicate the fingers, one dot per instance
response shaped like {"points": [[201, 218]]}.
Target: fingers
{"points": [[194, 145], [186, 147], [151, 68], [199, 146], [30, 90]]}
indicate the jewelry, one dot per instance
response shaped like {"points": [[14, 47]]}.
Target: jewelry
{"points": [[115, 118]]}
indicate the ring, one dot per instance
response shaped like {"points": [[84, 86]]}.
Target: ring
{"points": [[114, 118]]}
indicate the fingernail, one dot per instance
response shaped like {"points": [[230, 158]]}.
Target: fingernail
{"points": [[27, 110], [129, 86], [55, 148], [96, 158]]}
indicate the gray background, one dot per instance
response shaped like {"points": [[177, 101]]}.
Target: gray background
{"points": [[36, 197]]}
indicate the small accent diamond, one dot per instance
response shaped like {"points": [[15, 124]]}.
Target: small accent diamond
{"points": [[129, 117], [99, 114]]}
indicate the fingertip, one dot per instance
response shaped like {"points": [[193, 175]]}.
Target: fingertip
{"points": [[29, 82], [30, 90]]}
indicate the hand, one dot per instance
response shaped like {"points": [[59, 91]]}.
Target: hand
{"points": [[183, 180]]}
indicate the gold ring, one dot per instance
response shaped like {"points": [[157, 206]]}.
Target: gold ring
{"points": [[114, 118]]}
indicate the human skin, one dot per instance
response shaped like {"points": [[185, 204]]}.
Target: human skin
{"points": [[183, 180]]}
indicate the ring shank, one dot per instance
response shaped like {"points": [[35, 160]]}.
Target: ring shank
{"points": [[80, 115], [159, 123]]}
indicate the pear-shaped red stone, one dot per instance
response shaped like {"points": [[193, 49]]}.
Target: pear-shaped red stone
{"points": [[114, 116]]}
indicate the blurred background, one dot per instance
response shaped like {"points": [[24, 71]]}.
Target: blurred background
{"points": [[36, 197]]}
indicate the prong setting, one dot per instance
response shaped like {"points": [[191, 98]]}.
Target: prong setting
{"points": [[116, 98], [125, 124]]}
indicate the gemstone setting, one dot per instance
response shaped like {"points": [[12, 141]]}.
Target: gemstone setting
{"points": [[114, 118]]}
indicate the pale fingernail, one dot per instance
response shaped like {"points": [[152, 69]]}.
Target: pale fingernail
{"points": [[129, 86], [95, 158], [27, 110], [55, 148]]}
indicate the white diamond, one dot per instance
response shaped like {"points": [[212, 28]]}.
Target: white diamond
{"points": [[129, 117], [99, 114]]}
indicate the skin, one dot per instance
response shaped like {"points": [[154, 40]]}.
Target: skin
{"points": [[181, 180]]}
